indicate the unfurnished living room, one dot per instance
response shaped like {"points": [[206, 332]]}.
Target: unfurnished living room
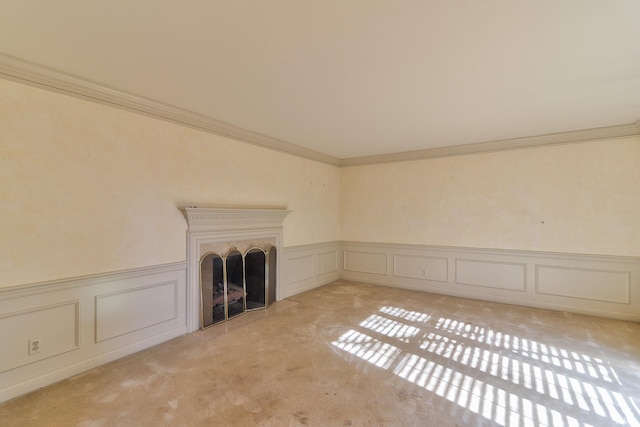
{"points": [[336, 213]]}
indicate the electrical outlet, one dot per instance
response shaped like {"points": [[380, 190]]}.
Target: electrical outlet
{"points": [[34, 346]]}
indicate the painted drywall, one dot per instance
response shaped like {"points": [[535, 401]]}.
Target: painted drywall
{"points": [[575, 198], [86, 188]]}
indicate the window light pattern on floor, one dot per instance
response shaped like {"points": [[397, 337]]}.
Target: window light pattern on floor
{"points": [[510, 380]]}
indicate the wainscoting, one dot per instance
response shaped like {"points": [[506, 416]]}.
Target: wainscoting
{"points": [[84, 322], [53, 330], [81, 323], [597, 285], [310, 266]]}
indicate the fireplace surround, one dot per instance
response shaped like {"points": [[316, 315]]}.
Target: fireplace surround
{"points": [[228, 251]]}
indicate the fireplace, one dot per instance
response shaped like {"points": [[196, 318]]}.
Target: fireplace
{"points": [[232, 262], [236, 282]]}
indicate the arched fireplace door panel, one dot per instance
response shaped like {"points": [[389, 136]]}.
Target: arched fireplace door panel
{"points": [[234, 283], [255, 270]]}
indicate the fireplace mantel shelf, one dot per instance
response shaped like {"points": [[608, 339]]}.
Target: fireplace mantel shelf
{"points": [[221, 219]]}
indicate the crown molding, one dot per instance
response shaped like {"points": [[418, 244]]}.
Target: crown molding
{"points": [[42, 77], [618, 131]]}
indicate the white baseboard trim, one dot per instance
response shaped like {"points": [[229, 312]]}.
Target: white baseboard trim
{"points": [[65, 316], [598, 285]]}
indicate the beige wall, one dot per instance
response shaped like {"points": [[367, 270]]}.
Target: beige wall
{"points": [[87, 188], [576, 198]]}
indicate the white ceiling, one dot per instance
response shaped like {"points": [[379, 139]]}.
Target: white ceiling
{"points": [[352, 78]]}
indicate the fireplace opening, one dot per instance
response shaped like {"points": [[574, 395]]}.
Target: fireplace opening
{"points": [[235, 282]]}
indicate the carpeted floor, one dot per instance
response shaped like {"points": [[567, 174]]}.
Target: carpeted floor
{"points": [[351, 354]]}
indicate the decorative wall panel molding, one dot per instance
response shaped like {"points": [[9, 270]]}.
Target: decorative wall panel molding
{"points": [[328, 262], [310, 266], [421, 267], [300, 268], [491, 274], [605, 286], [584, 283], [122, 312], [84, 322], [369, 262], [55, 327]]}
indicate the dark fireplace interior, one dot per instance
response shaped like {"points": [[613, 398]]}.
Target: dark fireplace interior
{"points": [[234, 283], [255, 270]]}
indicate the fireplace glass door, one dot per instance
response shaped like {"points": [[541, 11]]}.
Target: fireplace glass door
{"points": [[234, 283], [212, 283], [255, 276]]}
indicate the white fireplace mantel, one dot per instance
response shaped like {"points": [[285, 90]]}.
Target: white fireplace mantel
{"points": [[222, 219], [215, 226]]}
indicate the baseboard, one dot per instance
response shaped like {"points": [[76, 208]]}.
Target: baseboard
{"points": [[84, 322], [599, 285], [310, 266]]}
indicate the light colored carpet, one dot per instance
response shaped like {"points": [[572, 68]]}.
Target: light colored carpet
{"points": [[351, 354]]}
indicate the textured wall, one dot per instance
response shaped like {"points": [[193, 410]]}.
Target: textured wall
{"points": [[577, 198], [86, 188]]}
